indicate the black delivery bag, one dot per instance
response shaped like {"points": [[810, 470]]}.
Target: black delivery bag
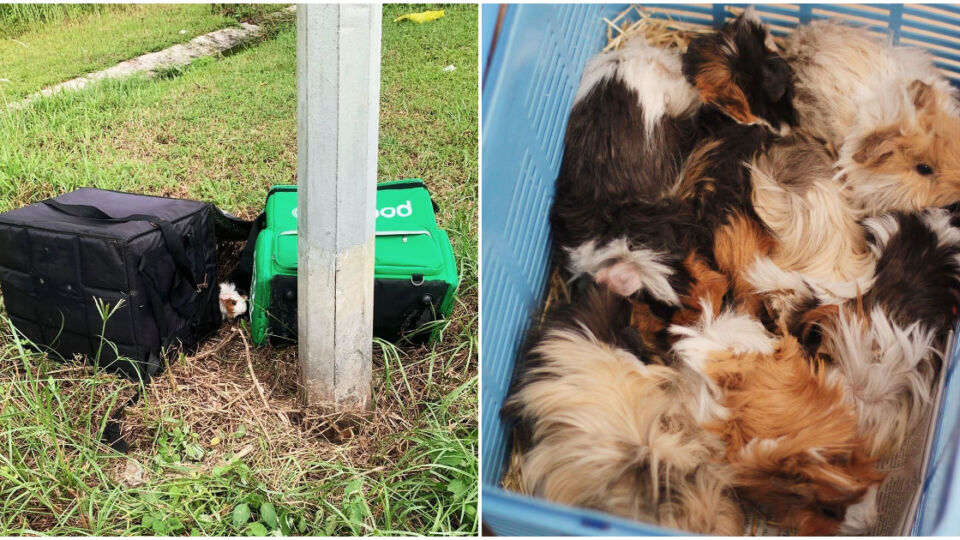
{"points": [[156, 255]]}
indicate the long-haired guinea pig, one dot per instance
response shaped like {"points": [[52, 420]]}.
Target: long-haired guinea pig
{"points": [[763, 289], [627, 132], [885, 368], [630, 126], [918, 267], [816, 230], [599, 428], [740, 72], [790, 438], [892, 117]]}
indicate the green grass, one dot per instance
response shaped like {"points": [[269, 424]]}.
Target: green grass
{"points": [[92, 39], [17, 18], [224, 130]]}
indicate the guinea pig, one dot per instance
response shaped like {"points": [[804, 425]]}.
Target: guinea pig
{"points": [[816, 231], [790, 438], [804, 247], [597, 427], [761, 288], [739, 71], [232, 303], [630, 126], [891, 116], [838, 68], [627, 131], [918, 267], [904, 152]]}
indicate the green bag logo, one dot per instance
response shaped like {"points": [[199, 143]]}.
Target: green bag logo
{"points": [[402, 210]]}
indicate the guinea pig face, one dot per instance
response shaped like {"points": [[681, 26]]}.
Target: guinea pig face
{"points": [[739, 71], [911, 160], [810, 491]]}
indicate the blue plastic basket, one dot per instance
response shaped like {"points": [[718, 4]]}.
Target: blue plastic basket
{"points": [[532, 73]]}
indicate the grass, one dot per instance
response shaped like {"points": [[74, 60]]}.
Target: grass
{"points": [[207, 455], [89, 37], [17, 18]]}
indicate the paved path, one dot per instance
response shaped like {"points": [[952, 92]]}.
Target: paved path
{"points": [[216, 42]]}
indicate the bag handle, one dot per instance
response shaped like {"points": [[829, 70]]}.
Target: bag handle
{"points": [[170, 236]]}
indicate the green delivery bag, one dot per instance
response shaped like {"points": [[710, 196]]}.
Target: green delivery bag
{"points": [[415, 275]]}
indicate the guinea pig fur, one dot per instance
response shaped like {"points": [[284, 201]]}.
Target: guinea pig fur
{"points": [[622, 232], [790, 438], [883, 348], [706, 286], [885, 369], [838, 68], [904, 151], [739, 71], [604, 430], [630, 126], [918, 268], [763, 289], [817, 231], [642, 245]]}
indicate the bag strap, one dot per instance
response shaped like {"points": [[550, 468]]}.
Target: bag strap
{"points": [[170, 236]]}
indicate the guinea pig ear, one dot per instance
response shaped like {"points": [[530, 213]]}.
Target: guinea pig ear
{"points": [[922, 95], [776, 77], [875, 147]]}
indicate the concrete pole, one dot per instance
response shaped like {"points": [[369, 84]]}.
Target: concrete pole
{"points": [[338, 93]]}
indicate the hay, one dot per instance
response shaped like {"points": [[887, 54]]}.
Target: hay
{"points": [[657, 27], [665, 33], [228, 388]]}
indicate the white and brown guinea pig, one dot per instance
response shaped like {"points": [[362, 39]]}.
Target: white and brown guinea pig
{"points": [[599, 428], [809, 247], [790, 439], [892, 117], [232, 303], [624, 140], [816, 230]]}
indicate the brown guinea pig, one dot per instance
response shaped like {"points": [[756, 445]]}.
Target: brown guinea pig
{"points": [[790, 438]]}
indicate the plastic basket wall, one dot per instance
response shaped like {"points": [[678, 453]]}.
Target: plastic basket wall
{"points": [[533, 73]]}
